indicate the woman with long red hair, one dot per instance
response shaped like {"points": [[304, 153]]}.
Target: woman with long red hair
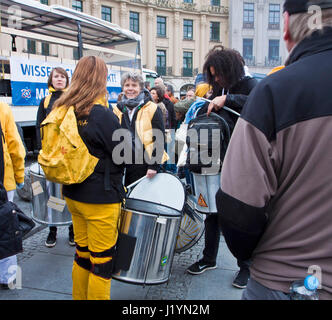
{"points": [[95, 208]]}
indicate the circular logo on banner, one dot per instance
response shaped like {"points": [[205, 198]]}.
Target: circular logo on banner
{"points": [[26, 93]]}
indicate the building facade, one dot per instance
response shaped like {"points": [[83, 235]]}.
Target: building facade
{"points": [[176, 34], [256, 31]]}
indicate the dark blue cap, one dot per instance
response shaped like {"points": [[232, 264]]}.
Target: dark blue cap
{"points": [[298, 6]]}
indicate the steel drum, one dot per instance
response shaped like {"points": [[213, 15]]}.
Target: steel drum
{"points": [[191, 227], [149, 226], [48, 205], [206, 187]]}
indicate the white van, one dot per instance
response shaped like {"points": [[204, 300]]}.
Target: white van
{"points": [[150, 75]]}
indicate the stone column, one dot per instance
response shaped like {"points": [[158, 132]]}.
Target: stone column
{"points": [[177, 46], [261, 39], [95, 8], [66, 3], [203, 40], [150, 48], [124, 22]]}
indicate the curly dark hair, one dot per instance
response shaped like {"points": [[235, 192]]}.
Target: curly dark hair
{"points": [[160, 92], [228, 65]]}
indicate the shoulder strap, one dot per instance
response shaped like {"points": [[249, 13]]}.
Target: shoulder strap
{"points": [[47, 101]]}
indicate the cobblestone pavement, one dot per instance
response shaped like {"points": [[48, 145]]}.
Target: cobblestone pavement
{"points": [[175, 289]]}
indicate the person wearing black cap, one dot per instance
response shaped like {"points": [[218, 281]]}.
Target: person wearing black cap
{"points": [[275, 198]]}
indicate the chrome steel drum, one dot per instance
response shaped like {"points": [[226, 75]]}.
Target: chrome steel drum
{"points": [[150, 223], [48, 205], [206, 187]]}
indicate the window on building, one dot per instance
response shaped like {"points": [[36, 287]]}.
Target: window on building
{"points": [[106, 13], [248, 49], [274, 49], [188, 1], [77, 5], [31, 44], [188, 29], [274, 16], [215, 3], [161, 62], [248, 15], [134, 21], [45, 49], [187, 64], [161, 26], [44, 2], [214, 31]]}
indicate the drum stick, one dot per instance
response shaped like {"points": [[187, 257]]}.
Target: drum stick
{"points": [[226, 108], [136, 182]]}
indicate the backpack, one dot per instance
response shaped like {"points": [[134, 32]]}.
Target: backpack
{"points": [[207, 140], [64, 157], [14, 225]]}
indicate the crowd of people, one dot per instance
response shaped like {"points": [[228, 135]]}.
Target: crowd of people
{"points": [[274, 199]]}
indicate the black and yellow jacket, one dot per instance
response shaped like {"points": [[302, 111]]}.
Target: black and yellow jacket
{"points": [[96, 131], [45, 107], [147, 118]]}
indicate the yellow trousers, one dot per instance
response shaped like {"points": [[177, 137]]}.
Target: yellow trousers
{"points": [[95, 232]]}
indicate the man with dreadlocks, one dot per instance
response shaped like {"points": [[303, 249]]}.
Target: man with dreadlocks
{"points": [[225, 72]]}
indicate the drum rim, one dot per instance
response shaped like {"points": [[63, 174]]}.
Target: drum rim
{"points": [[142, 202], [41, 174], [183, 187]]}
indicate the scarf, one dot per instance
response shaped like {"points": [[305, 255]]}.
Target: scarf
{"points": [[133, 103], [52, 90]]}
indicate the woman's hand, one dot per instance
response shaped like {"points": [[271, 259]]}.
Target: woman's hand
{"points": [[217, 103], [151, 173]]}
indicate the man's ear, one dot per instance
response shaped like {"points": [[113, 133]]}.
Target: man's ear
{"points": [[286, 34]]}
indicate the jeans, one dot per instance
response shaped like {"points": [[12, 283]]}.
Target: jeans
{"points": [[256, 291]]}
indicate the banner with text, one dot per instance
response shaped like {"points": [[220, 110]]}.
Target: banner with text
{"points": [[29, 80]]}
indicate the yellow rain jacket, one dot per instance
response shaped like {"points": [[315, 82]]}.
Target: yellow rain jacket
{"points": [[13, 149], [144, 127]]}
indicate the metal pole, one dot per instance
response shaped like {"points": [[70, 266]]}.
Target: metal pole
{"points": [[79, 40]]}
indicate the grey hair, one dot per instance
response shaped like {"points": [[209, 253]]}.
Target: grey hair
{"points": [[134, 76], [300, 24]]}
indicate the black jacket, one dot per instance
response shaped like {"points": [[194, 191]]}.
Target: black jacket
{"points": [[42, 113], [10, 235], [135, 171], [236, 98], [96, 130], [171, 113]]}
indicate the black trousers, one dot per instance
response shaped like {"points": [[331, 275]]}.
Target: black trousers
{"points": [[54, 229], [212, 238]]}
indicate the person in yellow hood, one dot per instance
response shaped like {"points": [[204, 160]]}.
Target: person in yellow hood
{"points": [[13, 151], [12, 156], [58, 82]]}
